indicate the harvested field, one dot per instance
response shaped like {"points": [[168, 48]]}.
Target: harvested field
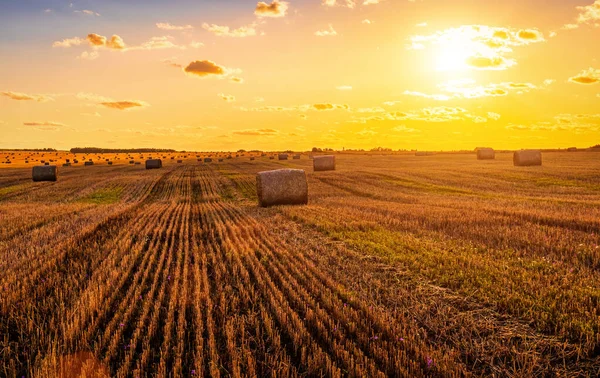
{"points": [[398, 266]]}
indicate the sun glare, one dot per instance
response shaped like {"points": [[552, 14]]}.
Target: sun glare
{"points": [[452, 55]]}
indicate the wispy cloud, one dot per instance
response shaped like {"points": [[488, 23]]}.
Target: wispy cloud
{"points": [[168, 26], [226, 31], [326, 33], [26, 97]]}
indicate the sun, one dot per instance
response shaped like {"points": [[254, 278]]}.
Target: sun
{"points": [[452, 55]]}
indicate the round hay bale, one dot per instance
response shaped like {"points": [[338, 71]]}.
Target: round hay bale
{"points": [[89, 163], [282, 187], [283, 156], [527, 158], [131, 162], [220, 160], [179, 161], [271, 157], [46, 163], [137, 163], [296, 157], [486, 153], [324, 163], [66, 164], [153, 164], [252, 158], [44, 173], [110, 163], [209, 160]]}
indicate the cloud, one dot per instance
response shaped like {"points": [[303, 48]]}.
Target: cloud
{"points": [[494, 116], [344, 88], [96, 39], [437, 114], [26, 97], [489, 62], [89, 55], [588, 14], [115, 42], [421, 25], [326, 33], [237, 80], [328, 106], [342, 3], [92, 97], [225, 31], [467, 89], [477, 47], [168, 26], [366, 21], [256, 132], [45, 123], [196, 45], [228, 98], [154, 43], [275, 9], [437, 97], [531, 35], [577, 123], [589, 76], [124, 105], [205, 68], [404, 129], [371, 2], [88, 12], [75, 41]]}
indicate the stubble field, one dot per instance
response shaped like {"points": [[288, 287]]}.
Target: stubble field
{"points": [[437, 266]]}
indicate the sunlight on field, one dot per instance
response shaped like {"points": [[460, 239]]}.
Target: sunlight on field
{"points": [[400, 265]]}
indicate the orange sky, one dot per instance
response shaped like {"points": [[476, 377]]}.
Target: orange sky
{"points": [[429, 74]]}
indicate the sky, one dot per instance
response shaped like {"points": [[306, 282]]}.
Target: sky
{"points": [[219, 75]]}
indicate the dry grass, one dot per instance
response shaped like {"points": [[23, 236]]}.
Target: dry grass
{"points": [[399, 266]]}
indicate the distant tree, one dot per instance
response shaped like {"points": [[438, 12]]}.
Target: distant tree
{"points": [[241, 150]]}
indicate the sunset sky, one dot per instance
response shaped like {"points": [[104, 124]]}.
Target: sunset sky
{"points": [[224, 74]]}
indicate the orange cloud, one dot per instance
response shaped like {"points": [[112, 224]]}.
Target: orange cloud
{"points": [[96, 39], [25, 97], [530, 35], [46, 123], [123, 105], [589, 76], [237, 80], [115, 42], [228, 98], [489, 62], [205, 68], [275, 9], [328, 106]]}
